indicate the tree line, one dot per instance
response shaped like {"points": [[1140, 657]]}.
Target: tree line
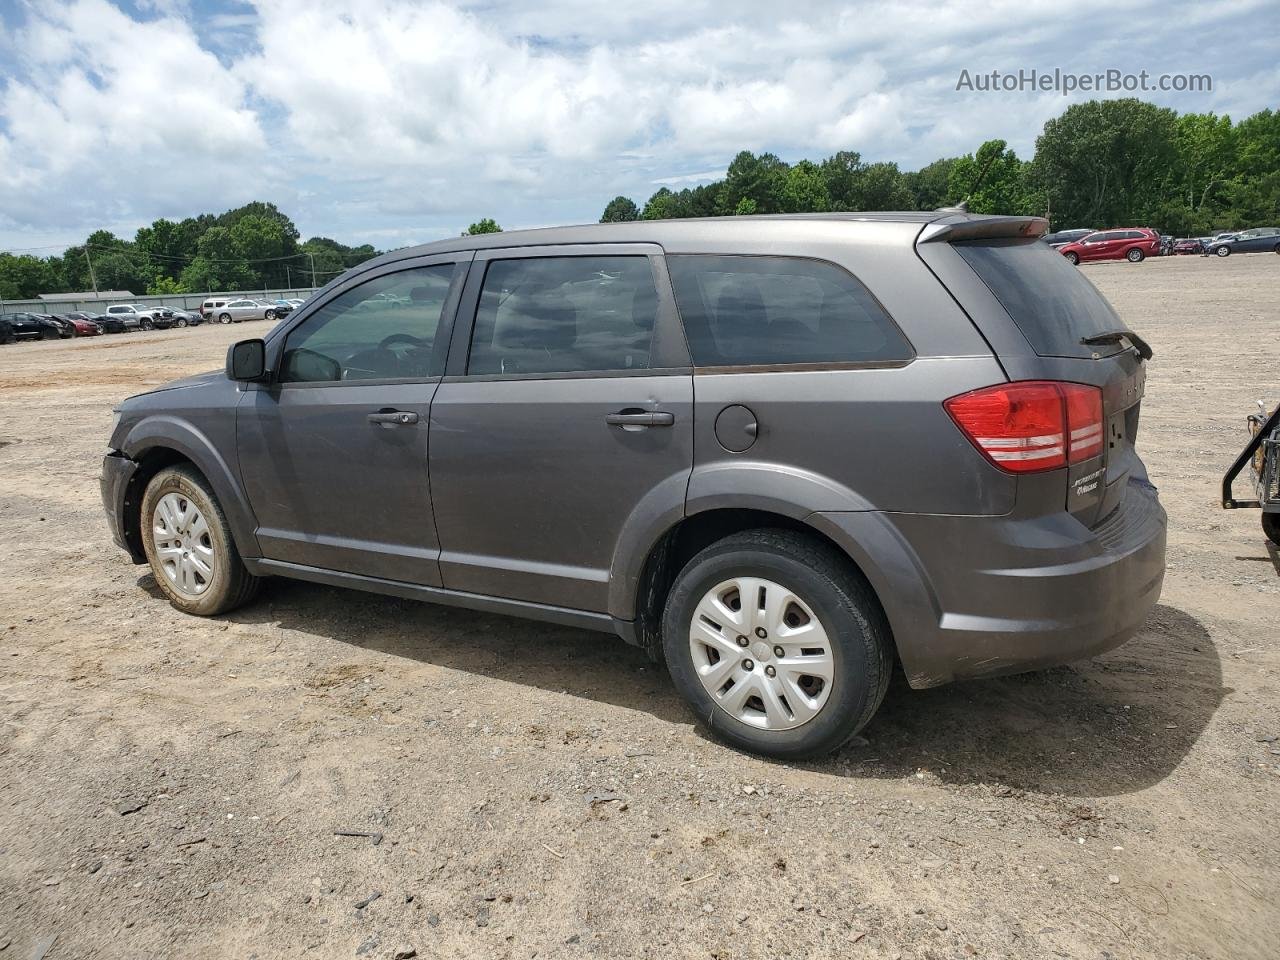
{"points": [[1100, 164], [253, 247]]}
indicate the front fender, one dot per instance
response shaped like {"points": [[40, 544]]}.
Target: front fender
{"points": [[174, 433]]}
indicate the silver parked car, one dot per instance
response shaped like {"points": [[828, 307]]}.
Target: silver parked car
{"points": [[779, 454], [234, 311], [134, 316]]}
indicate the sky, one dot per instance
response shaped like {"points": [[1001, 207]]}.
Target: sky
{"points": [[394, 122]]}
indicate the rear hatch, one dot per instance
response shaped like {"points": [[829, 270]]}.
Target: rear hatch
{"points": [[1056, 312]]}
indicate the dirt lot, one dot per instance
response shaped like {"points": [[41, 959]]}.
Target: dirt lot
{"points": [[540, 791]]}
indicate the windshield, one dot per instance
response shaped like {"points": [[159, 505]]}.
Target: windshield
{"points": [[1049, 299]]}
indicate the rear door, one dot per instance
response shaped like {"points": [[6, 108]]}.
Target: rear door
{"points": [[1053, 308], [567, 408]]}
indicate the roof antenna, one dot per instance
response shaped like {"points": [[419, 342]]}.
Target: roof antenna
{"points": [[963, 205]]}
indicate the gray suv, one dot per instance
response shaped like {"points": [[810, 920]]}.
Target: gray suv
{"points": [[780, 454]]}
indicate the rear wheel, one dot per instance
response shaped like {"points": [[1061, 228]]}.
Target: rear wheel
{"points": [[1135, 255], [224, 318], [189, 546], [1073, 257], [777, 644], [1223, 251], [1271, 527]]}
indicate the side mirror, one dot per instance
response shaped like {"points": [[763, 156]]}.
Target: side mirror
{"points": [[247, 361]]}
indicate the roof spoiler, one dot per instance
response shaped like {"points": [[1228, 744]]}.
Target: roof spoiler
{"points": [[968, 227]]}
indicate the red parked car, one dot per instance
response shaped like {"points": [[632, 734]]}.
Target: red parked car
{"points": [[83, 325], [1121, 243]]}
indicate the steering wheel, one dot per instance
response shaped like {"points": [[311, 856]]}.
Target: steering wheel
{"points": [[399, 338]]}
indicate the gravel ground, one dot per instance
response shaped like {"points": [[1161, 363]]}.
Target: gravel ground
{"points": [[172, 786]]}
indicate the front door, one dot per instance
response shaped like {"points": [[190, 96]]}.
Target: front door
{"points": [[568, 408], [333, 451]]}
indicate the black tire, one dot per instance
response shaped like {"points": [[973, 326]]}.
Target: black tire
{"points": [[146, 324], [1277, 248], [224, 318], [1073, 258], [845, 607], [269, 315], [180, 322], [1223, 251], [1135, 255], [232, 585], [1271, 527]]}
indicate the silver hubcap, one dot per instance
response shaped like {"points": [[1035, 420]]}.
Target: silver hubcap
{"points": [[761, 653], [184, 548]]}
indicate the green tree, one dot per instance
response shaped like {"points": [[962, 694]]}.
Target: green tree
{"points": [[660, 206], [218, 265], [1106, 162], [25, 277], [992, 181], [1206, 156], [162, 285], [487, 225], [746, 207], [930, 186], [756, 178], [620, 210], [805, 190]]}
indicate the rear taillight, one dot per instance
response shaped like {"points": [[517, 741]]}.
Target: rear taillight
{"points": [[1031, 425]]}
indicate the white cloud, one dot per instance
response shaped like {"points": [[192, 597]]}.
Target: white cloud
{"points": [[386, 117], [113, 116]]}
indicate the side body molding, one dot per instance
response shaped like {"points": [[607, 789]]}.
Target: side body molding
{"points": [[175, 433]]}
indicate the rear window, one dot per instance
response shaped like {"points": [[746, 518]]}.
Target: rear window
{"points": [[1049, 299], [740, 311]]}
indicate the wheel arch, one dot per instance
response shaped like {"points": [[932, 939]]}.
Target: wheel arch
{"points": [[639, 616], [159, 442]]}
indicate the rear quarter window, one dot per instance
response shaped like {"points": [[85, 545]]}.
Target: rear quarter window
{"points": [[1049, 299], [751, 311]]}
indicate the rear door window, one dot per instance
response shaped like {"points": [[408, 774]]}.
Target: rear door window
{"points": [[780, 310], [1050, 300], [541, 315]]}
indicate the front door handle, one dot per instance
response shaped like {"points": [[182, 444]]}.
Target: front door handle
{"points": [[630, 418], [393, 417]]}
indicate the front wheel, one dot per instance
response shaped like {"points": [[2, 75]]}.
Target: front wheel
{"points": [[181, 322], [1073, 258], [1271, 527], [189, 546], [147, 325], [776, 642], [269, 315], [1223, 251], [1135, 255]]}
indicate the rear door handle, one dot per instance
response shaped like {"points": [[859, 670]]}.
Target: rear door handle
{"points": [[640, 419], [393, 417]]}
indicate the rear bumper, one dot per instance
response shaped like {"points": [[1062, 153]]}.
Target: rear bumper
{"points": [[998, 595], [117, 471]]}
